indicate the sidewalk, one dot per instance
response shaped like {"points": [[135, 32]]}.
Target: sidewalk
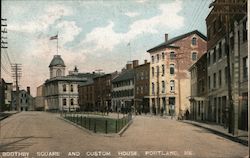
{"points": [[220, 130]]}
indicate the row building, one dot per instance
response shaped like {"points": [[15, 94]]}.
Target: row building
{"points": [[222, 74]]}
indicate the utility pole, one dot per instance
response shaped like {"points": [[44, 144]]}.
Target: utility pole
{"points": [[177, 58], [229, 9], [3, 46], [16, 74]]}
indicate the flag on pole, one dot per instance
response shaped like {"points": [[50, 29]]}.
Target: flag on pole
{"points": [[53, 37]]}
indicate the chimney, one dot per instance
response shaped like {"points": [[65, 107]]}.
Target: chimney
{"points": [[128, 66], [145, 61], [166, 37], [28, 90], [135, 63]]}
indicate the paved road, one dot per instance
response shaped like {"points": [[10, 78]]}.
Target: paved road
{"points": [[44, 132]]}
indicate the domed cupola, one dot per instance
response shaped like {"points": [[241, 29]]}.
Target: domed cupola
{"points": [[57, 67], [57, 61]]}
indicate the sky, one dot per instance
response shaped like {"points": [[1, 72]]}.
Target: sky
{"points": [[92, 34]]}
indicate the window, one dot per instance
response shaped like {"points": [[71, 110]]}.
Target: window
{"points": [[157, 70], [71, 101], [153, 88], [220, 51], [64, 88], [214, 27], [58, 72], [153, 71], [220, 78], [172, 86], [225, 73], [71, 88], [152, 58], [172, 55], [202, 85], [245, 68], [163, 70], [209, 82], [219, 22], [163, 86], [141, 89], [208, 33], [163, 55], [194, 41], [214, 55], [225, 49], [171, 69], [214, 80], [245, 30], [64, 102], [137, 90], [194, 56], [158, 57], [208, 58]]}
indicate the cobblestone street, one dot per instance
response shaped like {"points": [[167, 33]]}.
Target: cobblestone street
{"points": [[39, 131]]}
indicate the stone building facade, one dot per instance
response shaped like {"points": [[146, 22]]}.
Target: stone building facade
{"points": [[169, 72], [198, 98], [61, 92], [219, 109]]}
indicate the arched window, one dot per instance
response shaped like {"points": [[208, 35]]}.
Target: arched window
{"points": [[72, 102], [64, 88], [172, 55], [58, 72], [194, 56], [171, 69], [194, 41], [71, 88]]}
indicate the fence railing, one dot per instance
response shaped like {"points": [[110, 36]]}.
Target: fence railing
{"points": [[98, 124]]}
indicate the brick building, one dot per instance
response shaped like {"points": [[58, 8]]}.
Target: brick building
{"points": [[169, 72], [142, 87], [86, 96], [102, 91]]}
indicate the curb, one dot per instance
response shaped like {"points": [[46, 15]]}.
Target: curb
{"points": [[233, 138], [125, 128]]}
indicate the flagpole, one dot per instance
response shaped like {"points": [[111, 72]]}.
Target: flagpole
{"points": [[57, 42]]}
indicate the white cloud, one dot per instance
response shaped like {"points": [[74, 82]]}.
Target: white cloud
{"points": [[69, 30], [105, 38], [141, 1], [132, 14], [42, 22]]}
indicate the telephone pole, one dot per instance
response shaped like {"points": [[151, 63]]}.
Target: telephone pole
{"points": [[16, 74], [3, 41], [229, 9]]}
